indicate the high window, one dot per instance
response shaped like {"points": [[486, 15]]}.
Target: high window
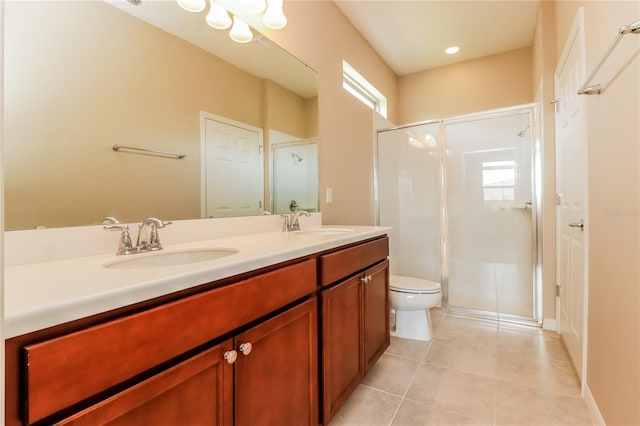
{"points": [[354, 83]]}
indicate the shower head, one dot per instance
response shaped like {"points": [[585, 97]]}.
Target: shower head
{"points": [[296, 158], [632, 28], [521, 132]]}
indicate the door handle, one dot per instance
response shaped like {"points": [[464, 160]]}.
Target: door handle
{"points": [[578, 224]]}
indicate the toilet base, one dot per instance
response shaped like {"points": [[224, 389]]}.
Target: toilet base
{"points": [[414, 325]]}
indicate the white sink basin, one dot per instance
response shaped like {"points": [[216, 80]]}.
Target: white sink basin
{"points": [[323, 231], [169, 258]]}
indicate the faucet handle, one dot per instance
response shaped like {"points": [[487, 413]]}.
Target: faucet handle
{"points": [[126, 246], [148, 236], [286, 225]]}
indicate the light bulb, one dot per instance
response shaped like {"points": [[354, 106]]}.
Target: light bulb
{"points": [[254, 6], [452, 50], [218, 17], [240, 31], [274, 16], [193, 5]]}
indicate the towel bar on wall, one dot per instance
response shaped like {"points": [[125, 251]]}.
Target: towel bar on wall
{"points": [[117, 147], [595, 89]]}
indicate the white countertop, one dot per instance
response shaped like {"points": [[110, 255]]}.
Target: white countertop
{"points": [[44, 294]]}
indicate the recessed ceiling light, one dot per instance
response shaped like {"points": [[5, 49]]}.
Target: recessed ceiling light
{"points": [[451, 50]]}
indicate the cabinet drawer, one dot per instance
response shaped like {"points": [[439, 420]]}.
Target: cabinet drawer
{"points": [[198, 391], [343, 263], [66, 370]]}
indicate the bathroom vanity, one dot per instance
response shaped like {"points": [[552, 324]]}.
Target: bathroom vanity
{"points": [[255, 338]]}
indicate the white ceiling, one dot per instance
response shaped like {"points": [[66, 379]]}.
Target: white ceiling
{"points": [[412, 35]]}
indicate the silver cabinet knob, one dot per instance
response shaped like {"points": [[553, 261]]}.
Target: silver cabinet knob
{"points": [[231, 356], [366, 279], [245, 348]]}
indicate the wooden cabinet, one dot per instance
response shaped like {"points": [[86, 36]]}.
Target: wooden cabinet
{"points": [[376, 313], [198, 391], [276, 374], [242, 351], [271, 369], [89, 366], [355, 321], [342, 340]]}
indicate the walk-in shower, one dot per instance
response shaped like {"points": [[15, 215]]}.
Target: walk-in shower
{"points": [[461, 197]]}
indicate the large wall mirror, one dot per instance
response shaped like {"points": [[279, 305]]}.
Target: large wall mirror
{"points": [[83, 76]]}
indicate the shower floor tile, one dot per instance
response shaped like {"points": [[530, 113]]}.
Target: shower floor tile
{"points": [[474, 372]]}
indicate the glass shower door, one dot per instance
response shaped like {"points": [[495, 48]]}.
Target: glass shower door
{"points": [[408, 179], [489, 215]]}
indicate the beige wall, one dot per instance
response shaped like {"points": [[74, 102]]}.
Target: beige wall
{"points": [[138, 86], [613, 138], [286, 112], [320, 35], [486, 83]]}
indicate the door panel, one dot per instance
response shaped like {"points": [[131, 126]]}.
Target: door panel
{"points": [[277, 380], [571, 180], [343, 361], [233, 170]]}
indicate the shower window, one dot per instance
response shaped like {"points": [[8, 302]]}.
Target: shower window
{"points": [[499, 181]]}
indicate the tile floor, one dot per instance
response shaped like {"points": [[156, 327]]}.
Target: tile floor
{"points": [[473, 372]]}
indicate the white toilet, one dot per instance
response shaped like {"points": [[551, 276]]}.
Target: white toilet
{"points": [[411, 298]]}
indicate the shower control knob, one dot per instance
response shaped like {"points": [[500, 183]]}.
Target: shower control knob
{"points": [[246, 348], [231, 356]]}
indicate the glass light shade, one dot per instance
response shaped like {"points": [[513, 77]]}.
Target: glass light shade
{"points": [[218, 17], [255, 6], [240, 31], [193, 5], [274, 16]]}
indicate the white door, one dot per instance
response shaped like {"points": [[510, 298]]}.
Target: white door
{"points": [[571, 186], [232, 168]]}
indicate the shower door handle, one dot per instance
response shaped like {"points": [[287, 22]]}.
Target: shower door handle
{"points": [[578, 224]]}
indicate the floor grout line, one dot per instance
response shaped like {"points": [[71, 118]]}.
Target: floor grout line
{"points": [[433, 406]]}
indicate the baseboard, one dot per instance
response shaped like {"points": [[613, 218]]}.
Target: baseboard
{"points": [[592, 407], [549, 324]]}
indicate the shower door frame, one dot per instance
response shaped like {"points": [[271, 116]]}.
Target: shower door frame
{"points": [[532, 109]]}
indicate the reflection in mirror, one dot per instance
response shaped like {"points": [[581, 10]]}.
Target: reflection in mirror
{"points": [[81, 77], [295, 175]]}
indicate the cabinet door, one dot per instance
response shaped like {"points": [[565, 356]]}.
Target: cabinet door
{"points": [[342, 356], [376, 312], [198, 391], [276, 376]]}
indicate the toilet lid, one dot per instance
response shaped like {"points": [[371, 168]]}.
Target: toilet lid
{"points": [[412, 285]]}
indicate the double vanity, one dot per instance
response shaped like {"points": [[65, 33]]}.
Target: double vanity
{"points": [[255, 329]]}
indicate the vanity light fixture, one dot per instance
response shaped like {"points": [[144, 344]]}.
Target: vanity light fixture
{"points": [[255, 6], [193, 5], [452, 50], [218, 17], [240, 31], [221, 17], [274, 16]]}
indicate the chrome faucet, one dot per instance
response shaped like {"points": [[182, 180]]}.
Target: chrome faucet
{"points": [[125, 247], [148, 237], [291, 220]]}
